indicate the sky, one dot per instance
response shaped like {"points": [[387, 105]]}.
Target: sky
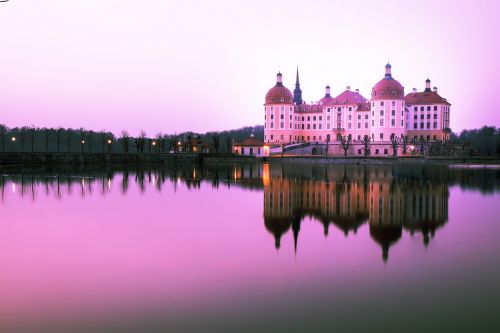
{"points": [[170, 66]]}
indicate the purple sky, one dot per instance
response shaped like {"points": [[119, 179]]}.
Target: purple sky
{"points": [[172, 66]]}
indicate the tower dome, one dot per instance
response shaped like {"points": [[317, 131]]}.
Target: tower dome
{"points": [[279, 94], [388, 87]]}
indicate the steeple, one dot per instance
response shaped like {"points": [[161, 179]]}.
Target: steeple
{"points": [[388, 74], [297, 93], [428, 85]]}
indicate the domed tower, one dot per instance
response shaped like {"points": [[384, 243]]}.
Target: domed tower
{"points": [[278, 108], [387, 108]]}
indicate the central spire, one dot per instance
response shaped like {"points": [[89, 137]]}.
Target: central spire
{"points": [[297, 92]]}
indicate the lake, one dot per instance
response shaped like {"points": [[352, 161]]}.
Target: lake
{"points": [[251, 247]]}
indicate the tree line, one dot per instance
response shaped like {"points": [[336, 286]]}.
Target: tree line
{"points": [[68, 140]]}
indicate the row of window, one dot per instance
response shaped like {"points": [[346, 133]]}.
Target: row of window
{"points": [[434, 125]]}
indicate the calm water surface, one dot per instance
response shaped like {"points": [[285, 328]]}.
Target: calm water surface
{"points": [[295, 248]]}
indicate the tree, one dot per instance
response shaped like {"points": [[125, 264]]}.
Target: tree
{"points": [[404, 143], [345, 144], [60, 131], [394, 145], [141, 141], [215, 140], [327, 144], [3, 131], [229, 144], [366, 144], [124, 137]]}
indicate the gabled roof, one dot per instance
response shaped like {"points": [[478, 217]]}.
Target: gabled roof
{"points": [[425, 97], [347, 97], [251, 141]]}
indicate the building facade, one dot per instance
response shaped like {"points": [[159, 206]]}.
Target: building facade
{"points": [[350, 116]]}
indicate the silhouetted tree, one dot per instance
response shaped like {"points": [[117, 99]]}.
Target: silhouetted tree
{"points": [[345, 144], [215, 140], [124, 138], [366, 144], [394, 145], [404, 143]]}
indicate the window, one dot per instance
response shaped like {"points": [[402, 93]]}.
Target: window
{"points": [[428, 116], [320, 126], [393, 113], [421, 108], [328, 126], [272, 108], [282, 125], [393, 122], [428, 125], [350, 117], [282, 107], [435, 116], [415, 117], [402, 123], [435, 108], [282, 117], [415, 109], [382, 103], [350, 108], [385, 151], [320, 118], [328, 110], [314, 118], [308, 118], [373, 122], [359, 117], [381, 136], [415, 125], [314, 126], [421, 116], [376, 151], [308, 126], [359, 125], [349, 126], [381, 122], [428, 108], [421, 125], [366, 116], [271, 136], [272, 116], [272, 125], [366, 125], [290, 117], [381, 112], [435, 125]]}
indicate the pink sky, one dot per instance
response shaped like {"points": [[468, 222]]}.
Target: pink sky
{"points": [[172, 66]]}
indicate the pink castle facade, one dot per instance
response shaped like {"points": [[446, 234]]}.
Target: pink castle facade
{"points": [[419, 116]]}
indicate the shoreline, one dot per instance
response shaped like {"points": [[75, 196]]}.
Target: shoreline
{"points": [[69, 159]]}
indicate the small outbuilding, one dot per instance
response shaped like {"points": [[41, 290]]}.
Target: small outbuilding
{"points": [[251, 147]]}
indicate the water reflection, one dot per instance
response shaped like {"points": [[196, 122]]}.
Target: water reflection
{"points": [[392, 199]]}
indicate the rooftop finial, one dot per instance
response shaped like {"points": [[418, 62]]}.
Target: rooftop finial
{"points": [[388, 74]]}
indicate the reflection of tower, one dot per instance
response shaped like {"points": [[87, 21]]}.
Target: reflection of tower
{"points": [[386, 210], [426, 208], [277, 207]]}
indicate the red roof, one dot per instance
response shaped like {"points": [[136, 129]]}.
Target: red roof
{"points": [[388, 88], [279, 94], [251, 141], [349, 97], [425, 97], [303, 108]]}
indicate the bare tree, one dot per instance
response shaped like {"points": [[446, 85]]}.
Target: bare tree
{"points": [[404, 143], [124, 137], [345, 144], [394, 144], [366, 144]]}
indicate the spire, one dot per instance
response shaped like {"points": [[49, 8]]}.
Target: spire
{"points": [[297, 93], [327, 91]]}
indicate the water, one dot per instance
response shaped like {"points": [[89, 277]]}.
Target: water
{"points": [[403, 248]]}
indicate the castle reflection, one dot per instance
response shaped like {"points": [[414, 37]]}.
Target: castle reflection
{"points": [[392, 199], [349, 196]]}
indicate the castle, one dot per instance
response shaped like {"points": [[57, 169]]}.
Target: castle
{"points": [[389, 114]]}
